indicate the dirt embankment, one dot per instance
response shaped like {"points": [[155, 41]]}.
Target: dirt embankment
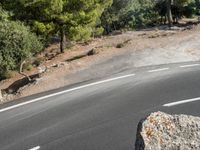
{"points": [[107, 55]]}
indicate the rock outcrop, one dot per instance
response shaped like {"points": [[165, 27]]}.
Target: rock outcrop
{"points": [[161, 131]]}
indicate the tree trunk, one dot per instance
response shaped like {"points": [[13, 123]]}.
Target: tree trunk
{"points": [[114, 26], [62, 40], [169, 12]]}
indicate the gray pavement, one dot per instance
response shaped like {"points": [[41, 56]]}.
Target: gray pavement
{"points": [[102, 116]]}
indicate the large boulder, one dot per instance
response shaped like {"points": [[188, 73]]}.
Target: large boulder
{"points": [[161, 131]]}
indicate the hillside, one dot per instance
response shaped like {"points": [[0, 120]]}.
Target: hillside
{"points": [[108, 55]]}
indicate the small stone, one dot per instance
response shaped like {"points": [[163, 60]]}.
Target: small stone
{"points": [[54, 65], [42, 69], [92, 52], [60, 64]]}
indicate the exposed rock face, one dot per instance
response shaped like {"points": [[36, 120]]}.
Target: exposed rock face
{"points": [[161, 131]]}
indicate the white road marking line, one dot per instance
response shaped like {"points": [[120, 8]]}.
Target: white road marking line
{"points": [[65, 91], [192, 65], [157, 70], [182, 102], [35, 148]]}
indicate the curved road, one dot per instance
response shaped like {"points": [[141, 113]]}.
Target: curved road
{"points": [[101, 114]]}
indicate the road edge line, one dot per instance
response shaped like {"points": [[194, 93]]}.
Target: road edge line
{"points": [[65, 91]]}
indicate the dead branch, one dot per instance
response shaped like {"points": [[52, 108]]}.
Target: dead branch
{"points": [[21, 70]]}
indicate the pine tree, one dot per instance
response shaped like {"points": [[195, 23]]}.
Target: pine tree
{"points": [[73, 19]]}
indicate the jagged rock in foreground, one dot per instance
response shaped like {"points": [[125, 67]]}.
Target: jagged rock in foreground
{"points": [[161, 131]]}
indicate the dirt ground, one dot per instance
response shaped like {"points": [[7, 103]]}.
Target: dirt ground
{"points": [[107, 55]]}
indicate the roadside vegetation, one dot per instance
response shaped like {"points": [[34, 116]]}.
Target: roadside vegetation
{"points": [[27, 27]]}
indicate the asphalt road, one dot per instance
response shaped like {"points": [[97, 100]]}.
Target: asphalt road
{"points": [[101, 114]]}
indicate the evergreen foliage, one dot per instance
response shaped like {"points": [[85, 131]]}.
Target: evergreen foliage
{"points": [[22, 22], [17, 43]]}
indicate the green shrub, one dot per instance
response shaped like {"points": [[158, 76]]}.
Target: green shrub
{"points": [[28, 66], [8, 74], [98, 32], [17, 43], [4, 15], [188, 11], [38, 61]]}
